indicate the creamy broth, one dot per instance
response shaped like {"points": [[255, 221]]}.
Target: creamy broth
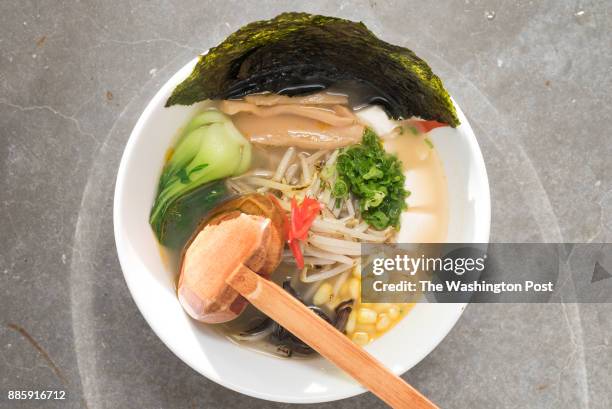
{"points": [[424, 221]]}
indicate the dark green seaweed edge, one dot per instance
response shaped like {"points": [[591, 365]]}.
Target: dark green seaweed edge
{"points": [[259, 33]]}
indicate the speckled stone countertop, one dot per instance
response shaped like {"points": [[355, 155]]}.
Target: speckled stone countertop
{"points": [[534, 78]]}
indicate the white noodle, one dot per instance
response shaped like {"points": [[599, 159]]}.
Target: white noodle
{"points": [[349, 207], [332, 158], [239, 186], [260, 172], [315, 156], [333, 220], [284, 163], [308, 250], [324, 226], [336, 250], [332, 179], [272, 184], [327, 214], [337, 246], [331, 205], [330, 246], [346, 220], [314, 187], [291, 172], [306, 176], [338, 209], [324, 196], [363, 226]]}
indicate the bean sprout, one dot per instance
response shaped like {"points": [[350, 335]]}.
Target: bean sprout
{"points": [[306, 176], [308, 250], [316, 156], [291, 170], [284, 163], [333, 246]]}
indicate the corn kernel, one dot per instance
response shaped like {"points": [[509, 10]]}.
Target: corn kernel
{"points": [[393, 313], [366, 316], [351, 322], [354, 288], [361, 338], [323, 294], [383, 322], [356, 271]]}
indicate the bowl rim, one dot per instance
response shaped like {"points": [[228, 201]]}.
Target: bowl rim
{"points": [[481, 233]]}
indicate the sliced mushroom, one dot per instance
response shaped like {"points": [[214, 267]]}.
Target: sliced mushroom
{"points": [[293, 130], [318, 121], [343, 310], [335, 115]]}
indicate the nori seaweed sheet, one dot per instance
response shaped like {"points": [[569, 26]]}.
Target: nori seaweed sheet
{"points": [[297, 53]]}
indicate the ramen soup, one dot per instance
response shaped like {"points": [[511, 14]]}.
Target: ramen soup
{"points": [[286, 162], [322, 129]]}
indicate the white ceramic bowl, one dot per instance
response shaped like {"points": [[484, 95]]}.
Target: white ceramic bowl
{"points": [[241, 369]]}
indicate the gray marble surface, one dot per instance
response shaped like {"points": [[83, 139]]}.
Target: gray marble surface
{"points": [[534, 78]]}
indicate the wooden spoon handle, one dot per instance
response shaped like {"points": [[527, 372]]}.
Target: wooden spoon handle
{"points": [[294, 316]]}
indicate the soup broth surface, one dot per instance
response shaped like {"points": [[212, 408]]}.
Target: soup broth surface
{"points": [[424, 221]]}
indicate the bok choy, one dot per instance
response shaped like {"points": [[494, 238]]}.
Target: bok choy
{"points": [[210, 148]]}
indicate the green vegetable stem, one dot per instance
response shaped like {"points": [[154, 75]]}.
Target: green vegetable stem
{"points": [[210, 148], [185, 213]]}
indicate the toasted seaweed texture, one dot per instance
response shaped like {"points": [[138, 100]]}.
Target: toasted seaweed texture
{"points": [[299, 53]]}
